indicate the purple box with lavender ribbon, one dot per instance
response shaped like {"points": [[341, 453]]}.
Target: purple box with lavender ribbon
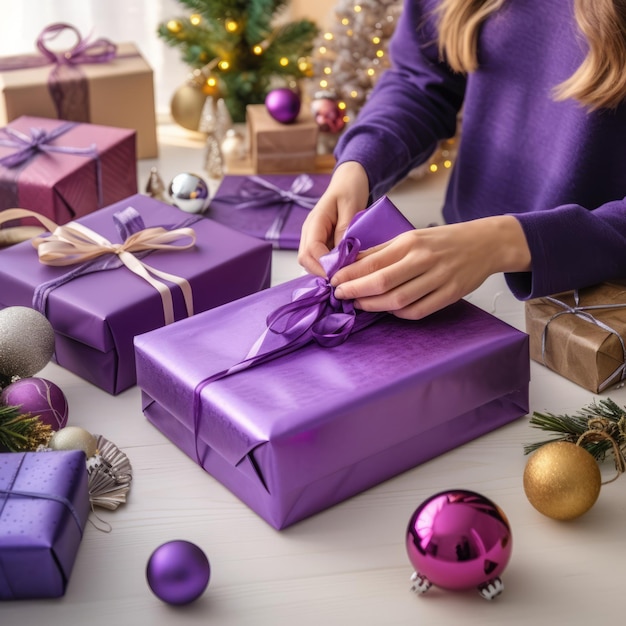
{"points": [[44, 506], [295, 401], [96, 307], [272, 207], [65, 170]]}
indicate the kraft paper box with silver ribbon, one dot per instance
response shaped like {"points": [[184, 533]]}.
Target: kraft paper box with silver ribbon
{"points": [[296, 401], [65, 170], [121, 271], [44, 506], [92, 81], [581, 334], [272, 207]]}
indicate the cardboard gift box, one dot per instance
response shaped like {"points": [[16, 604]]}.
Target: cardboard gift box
{"points": [[98, 82], [44, 505], [65, 170], [299, 428], [580, 334], [280, 148], [97, 307], [272, 207]]}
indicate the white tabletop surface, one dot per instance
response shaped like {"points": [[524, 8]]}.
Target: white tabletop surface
{"points": [[346, 565]]}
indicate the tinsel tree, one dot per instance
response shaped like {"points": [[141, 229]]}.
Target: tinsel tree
{"points": [[351, 54], [240, 47]]}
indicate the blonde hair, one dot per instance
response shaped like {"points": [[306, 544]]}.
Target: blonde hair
{"points": [[599, 81]]}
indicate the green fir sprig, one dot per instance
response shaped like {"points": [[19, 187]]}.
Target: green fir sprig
{"points": [[604, 415], [21, 432]]}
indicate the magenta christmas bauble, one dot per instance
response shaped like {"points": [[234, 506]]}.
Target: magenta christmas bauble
{"points": [[283, 105], [178, 572], [457, 540], [38, 396]]}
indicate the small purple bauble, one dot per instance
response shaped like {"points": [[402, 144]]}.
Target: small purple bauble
{"points": [[283, 105], [456, 540], [38, 396], [178, 572]]}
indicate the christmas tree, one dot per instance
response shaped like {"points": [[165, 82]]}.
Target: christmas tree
{"points": [[349, 57], [237, 49]]}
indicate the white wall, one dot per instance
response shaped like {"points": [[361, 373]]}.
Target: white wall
{"points": [[119, 20]]}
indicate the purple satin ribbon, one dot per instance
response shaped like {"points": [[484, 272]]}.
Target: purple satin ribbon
{"points": [[127, 222], [313, 315], [259, 193], [583, 313]]}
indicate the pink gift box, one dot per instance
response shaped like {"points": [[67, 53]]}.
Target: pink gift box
{"points": [[311, 426], [96, 315], [70, 175]]}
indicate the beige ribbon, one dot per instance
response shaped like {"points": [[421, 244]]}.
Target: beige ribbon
{"points": [[74, 243]]}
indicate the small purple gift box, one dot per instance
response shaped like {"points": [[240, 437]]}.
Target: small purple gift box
{"points": [[44, 505], [64, 170], [96, 307], [272, 207], [293, 416]]}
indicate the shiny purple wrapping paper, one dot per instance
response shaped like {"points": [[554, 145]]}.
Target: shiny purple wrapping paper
{"points": [[64, 187], [297, 434], [258, 220], [96, 316], [39, 534]]}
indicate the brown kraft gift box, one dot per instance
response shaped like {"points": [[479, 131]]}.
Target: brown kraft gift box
{"points": [[580, 334], [120, 93], [280, 148]]}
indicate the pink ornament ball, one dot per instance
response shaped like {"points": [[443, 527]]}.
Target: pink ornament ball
{"points": [[178, 572], [459, 540], [38, 396], [283, 105]]}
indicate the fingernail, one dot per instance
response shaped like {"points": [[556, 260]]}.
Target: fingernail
{"points": [[338, 292]]}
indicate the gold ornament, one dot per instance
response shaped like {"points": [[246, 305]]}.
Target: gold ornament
{"points": [[562, 480], [186, 105], [233, 146], [74, 438]]}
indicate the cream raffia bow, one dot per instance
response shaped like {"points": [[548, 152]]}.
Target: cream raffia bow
{"points": [[74, 243]]}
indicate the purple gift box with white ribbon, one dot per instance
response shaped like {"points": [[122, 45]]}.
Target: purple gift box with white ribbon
{"points": [[124, 270], [272, 207], [44, 506], [296, 401], [65, 170]]}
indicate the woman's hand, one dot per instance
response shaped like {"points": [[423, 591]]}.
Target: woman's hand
{"points": [[424, 270], [346, 195]]}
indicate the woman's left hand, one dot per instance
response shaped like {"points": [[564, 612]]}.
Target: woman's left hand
{"points": [[424, 270]]}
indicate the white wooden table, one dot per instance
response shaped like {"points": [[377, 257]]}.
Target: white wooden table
{"points": [[346, 565]]}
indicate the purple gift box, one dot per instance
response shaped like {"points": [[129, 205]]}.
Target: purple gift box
{"points": [[272, 207], [65, 170], [44, 505], [310, 426], [96, 314]]}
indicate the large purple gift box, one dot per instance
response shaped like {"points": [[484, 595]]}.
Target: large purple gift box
{"points": [[44, 505], [65, 170], [272, 207], [309, 426], [96, 315]]}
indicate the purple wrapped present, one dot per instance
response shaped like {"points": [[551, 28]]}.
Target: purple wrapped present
{"points": [[293, 416], [96, 307], [44, 505], [272, 207]]}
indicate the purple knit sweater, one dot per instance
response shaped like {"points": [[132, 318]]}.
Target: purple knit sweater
{"points": [[559, 169]]}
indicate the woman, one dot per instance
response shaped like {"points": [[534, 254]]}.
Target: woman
{"points": [[538, 187]]}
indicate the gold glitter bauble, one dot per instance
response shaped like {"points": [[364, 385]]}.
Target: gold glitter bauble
{"points": [[186, 105], [74, 438], [562, 480]]}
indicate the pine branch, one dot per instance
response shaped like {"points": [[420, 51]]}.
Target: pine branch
{"points": [[21, 432], [571, 427]]}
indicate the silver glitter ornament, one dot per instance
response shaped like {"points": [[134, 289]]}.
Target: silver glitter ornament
{"points": [[74, 438], [26, 342], [189, 192]]}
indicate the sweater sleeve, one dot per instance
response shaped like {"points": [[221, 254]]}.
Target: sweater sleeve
{"points": [[572, 247], [413, 106]]}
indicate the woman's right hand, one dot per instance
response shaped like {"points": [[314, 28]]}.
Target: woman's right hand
{"points": [[346, 195]]}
